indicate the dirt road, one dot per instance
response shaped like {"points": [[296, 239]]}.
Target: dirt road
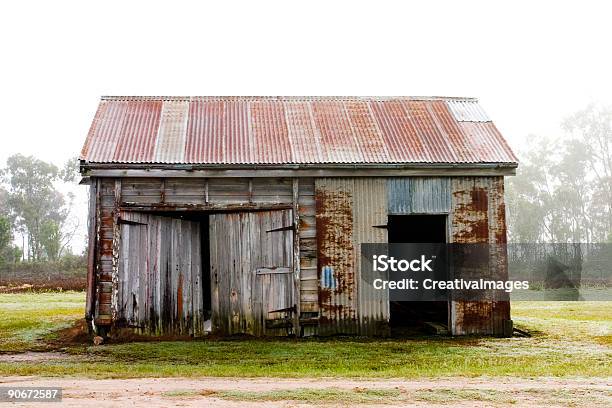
{"points": [[274, 392]]}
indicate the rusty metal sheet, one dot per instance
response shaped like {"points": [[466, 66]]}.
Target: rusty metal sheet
{"points": [[478, 217], [465, 148], [293, 130], [337, 140], [429, 131], [336, 256], [270, 135], [403, 143], [304, 138], [485, 140], [139, 129], [366, 132], [348, 212], [204, 138]]}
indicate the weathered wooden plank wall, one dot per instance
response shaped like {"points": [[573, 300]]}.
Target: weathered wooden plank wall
{"points": [[159, 282], [181, 192], [104, 251], [251, 271], [308, 248]]}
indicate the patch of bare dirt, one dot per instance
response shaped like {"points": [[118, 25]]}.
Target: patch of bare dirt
{"points": [[33, 357], [164, 392]]}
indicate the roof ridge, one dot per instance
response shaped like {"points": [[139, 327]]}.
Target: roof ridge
{"points": [[285, 98]]}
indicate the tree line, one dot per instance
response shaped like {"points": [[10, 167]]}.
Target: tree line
{"points": [[562, 192], [32, 206]]}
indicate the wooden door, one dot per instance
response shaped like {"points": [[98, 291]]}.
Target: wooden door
{"points": [[251, 264], [159, 285]]}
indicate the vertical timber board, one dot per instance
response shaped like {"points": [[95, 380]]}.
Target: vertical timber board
{"points": [[277, 289], [221, 238], [93, 231], [370, 210], [156, 240], [196, 281], [336, 255], [164, 309], [176, 300], [215, 257], [296, 256], [470, 224], [132, 271]]}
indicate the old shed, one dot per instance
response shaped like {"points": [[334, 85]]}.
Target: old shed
{"points": [[245, 215]]}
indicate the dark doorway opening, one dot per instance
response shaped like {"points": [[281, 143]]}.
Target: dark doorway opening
{"points": [[206, 279], [418, 316]]}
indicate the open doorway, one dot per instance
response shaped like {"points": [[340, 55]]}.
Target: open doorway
{"points": [[414, 316]]}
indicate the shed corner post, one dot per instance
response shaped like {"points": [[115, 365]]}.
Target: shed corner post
{"points": [[116, 246], [93, 228], [296, 256]]}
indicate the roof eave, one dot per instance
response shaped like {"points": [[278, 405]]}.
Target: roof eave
{"points": [[294, 170]]}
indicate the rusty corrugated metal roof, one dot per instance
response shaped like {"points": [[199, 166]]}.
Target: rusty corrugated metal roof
{"points": [[293, 130]]}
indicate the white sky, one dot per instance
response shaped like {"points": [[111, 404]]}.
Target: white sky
{"points": [[530, 63]]}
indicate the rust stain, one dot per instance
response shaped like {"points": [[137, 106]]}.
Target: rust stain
{"points": [[470, 216], [334, 220], [479, 217], [480, 199]]}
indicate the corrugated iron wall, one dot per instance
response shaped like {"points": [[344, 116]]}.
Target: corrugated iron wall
{"points": [[369, 215], [419, 195], [349, 212], [336, 256], [478, 217]]}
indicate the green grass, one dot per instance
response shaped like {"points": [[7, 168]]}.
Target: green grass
{"points": [[25, 318], [437, 396], [448, 396], [346, 396], [571, 339]]}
